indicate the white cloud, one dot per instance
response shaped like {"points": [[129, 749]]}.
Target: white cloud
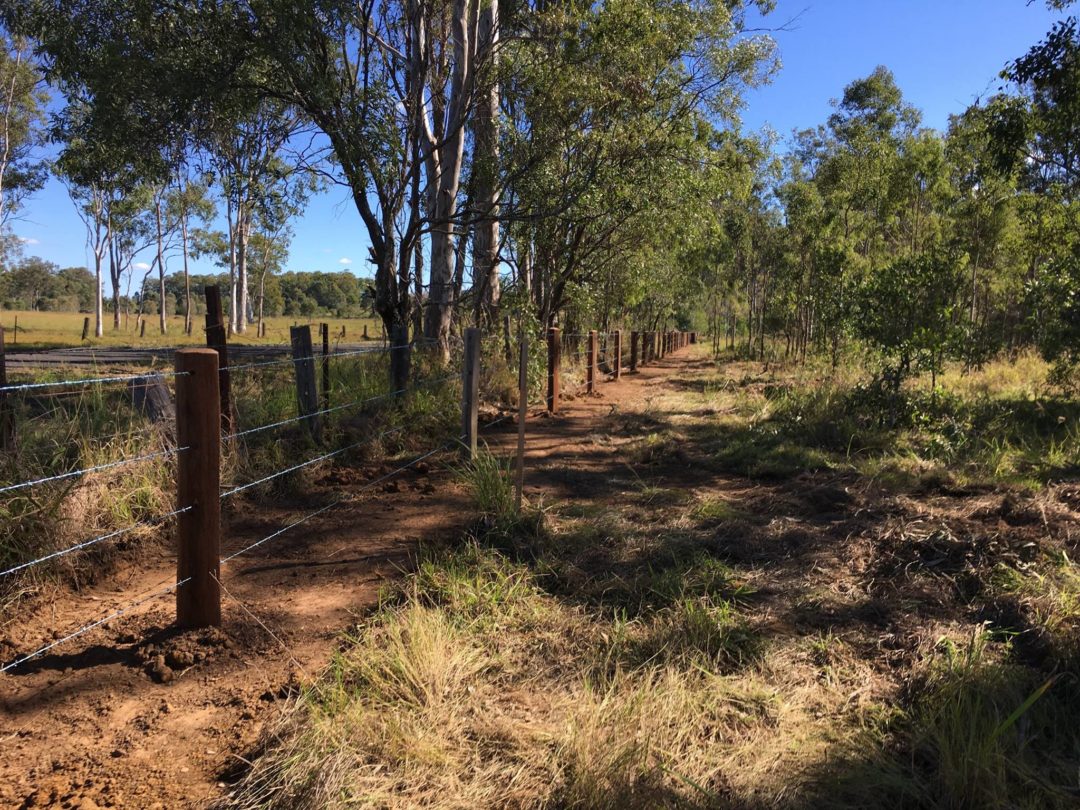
{"points": [[29, 240], [142, 266], [344, 260]]}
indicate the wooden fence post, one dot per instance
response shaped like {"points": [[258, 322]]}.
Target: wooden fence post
{"points": [[507, 348], [325, 366], [554, 359], [216, 340], [590, 372], [399, 358], [634, 338], [365, 332], [470, 391], [618, 355], [198, 435], [142, 327], [7, 415], [85, 328], [307, 395], [523, 412]]}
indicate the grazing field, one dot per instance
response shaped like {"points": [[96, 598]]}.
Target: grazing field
{"points": [[51, 330]]}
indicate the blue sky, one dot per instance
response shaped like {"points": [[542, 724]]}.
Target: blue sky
{"points": [[944, 53]]}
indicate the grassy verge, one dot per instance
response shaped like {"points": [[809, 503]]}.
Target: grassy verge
{"points": [[53, 330], [678, 641], [996, 426]]}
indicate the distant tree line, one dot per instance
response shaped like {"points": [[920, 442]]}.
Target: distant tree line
{"points": [[35, 284]]}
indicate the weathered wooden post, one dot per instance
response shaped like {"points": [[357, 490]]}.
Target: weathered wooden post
{"points": [[523, 412], [590, 372], [470, 391], [508, 350], [150, 395], [307, 395], [325, 366], [7, 415], [216, 340], [85, 328], [365, 332], [634, 338], [400, 357], [198, 436], [554, 359], [618, 355]]}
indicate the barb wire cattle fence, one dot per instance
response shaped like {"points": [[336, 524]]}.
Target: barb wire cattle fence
{"points": [[201, 415]]}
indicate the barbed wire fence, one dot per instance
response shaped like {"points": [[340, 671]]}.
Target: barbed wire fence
{"points": [[199, 439]]}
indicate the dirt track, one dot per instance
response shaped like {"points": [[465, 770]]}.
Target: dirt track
{"points": [[134, 715]]}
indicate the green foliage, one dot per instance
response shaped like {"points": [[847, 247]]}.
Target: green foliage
{"points": [[907, 311]]}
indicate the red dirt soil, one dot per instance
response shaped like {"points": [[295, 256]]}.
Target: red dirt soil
{"points": [[134, 714]]}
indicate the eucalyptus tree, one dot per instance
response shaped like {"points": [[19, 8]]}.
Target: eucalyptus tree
{"points": [[603, 106], [22, 119], [187, 205]]}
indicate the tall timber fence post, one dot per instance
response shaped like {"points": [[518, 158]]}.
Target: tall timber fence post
{"points": [[325, 366], [618, 355], [7, 416], [554, 358], [198, 478], [634, 337], [590, 372], [216, 340], [470, 391], [85, 328], [307, 395], [523, 412], [399, 358]]}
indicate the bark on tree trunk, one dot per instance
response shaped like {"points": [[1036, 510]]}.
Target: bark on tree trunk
{"points": [[162, 322], [241, 306], [99, 304], [187, 276], [485, 167]]}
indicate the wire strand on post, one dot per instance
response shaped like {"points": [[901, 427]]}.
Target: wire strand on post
{"points": [[107, 466], [88, 627]]}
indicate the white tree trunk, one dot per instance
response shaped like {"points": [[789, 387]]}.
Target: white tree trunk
{"points": [[241, 306], [99, 295], [485, 166], [446, 145]]}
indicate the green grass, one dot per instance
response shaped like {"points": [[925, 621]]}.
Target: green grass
{"points": [[735, 642], [1000, 425], [48, 330]]}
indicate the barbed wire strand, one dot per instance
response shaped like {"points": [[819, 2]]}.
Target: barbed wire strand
{"points": [[107, 466], [353, 404], [309, 462], [341, 500], [94, 541], [6, 389], [88, 627], [318, 356]]}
